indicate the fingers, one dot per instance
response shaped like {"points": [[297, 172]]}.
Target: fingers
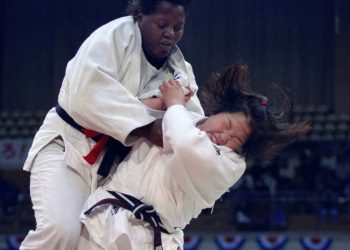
{"points": [[168, 85], [171, 83], [174, 85], [190, 92], [189, 95]]}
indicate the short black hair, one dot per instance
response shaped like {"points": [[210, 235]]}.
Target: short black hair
{"points": [[148, 7]]}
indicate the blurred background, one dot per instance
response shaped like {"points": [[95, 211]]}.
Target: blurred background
{"points": [[301, 44]]}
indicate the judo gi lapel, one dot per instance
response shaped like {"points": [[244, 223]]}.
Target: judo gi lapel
{"points": [[129, 75]]}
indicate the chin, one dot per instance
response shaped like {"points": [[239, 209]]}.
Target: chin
{"points": [[163, 54]]}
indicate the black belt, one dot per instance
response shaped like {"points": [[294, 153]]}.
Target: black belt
{"points": [[140, 210], [113, 147]]}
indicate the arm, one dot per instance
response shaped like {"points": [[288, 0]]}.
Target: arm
{"points": [[195, 165], [158, 103], [153, 131], [193, 104], [93, 93]]}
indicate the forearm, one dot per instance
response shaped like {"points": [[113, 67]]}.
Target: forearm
{"points": [[195, 162], [96, 96], [151, 131], [156, 103]]}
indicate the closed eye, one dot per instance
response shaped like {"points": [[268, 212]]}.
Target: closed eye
{"points": [[178, 28], [228, 123], [161, 25]]}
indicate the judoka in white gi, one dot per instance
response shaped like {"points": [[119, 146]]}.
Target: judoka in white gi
{"points": [[196, 166], [118, 63]]}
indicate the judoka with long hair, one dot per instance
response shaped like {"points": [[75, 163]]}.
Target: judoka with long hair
{"points": [[156, 192]]}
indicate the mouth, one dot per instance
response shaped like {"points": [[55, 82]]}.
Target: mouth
{"points": [[166, 45]]}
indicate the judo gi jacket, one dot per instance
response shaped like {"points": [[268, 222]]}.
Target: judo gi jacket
{"points": [[180, 180], [100, 92]]}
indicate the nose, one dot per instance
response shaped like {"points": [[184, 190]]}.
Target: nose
{"points": [[224, 137], [220, 138], [170, 32]]}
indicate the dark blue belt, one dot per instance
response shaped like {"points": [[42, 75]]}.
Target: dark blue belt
{"points": [[140, 210], [113, 147]]}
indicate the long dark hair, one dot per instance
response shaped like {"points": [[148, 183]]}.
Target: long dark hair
{"points": [[273, 127], [148, 7]]}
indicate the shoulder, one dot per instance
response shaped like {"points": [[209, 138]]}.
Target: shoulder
{"points": [[122, 28], [119, 23], [118, 34], [229, 153]]}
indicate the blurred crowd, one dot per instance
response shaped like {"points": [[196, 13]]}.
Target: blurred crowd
{"points": [[311, 178]]}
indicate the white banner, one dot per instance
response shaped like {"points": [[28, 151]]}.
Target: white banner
{"points": [[192, 241], [272, 242], [13, 152], [315, 242], [229, 241]]}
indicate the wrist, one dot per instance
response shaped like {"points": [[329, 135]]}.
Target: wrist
{"points": [[174, 103]]}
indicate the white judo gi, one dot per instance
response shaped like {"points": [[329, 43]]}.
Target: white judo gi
{"points": [[189, 174], [100, 92]]}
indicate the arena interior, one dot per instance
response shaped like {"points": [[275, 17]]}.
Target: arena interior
{"points": [[299, 200]]}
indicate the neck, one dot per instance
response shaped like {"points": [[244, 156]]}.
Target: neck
{"points": [[157, 63]]}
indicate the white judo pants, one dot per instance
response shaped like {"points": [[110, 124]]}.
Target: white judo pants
{"points": [[111, 228], [58, 195]]}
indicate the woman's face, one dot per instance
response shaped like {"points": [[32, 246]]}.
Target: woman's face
{"points": [[161, 30], [227, 129]]}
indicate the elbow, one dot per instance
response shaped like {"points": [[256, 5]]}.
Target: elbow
{"points": [[78, 108], [189, 143], [237, 172]]}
